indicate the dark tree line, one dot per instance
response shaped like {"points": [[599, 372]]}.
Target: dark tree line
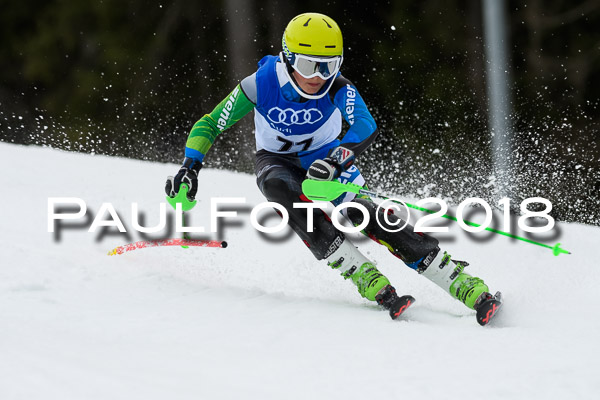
{"points": [[130, 78]]}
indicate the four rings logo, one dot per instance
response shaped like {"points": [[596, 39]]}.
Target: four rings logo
{"points": [[292, 117]]}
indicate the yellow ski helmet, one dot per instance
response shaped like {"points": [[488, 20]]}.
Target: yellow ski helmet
{"points": [[313, 34], [312, 45]]}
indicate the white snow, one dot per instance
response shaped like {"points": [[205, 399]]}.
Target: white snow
{"points": [[263, 319]]}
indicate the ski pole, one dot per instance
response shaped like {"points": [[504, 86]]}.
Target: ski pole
{"points": [[186, 205], [185, 243], [330, 190]]}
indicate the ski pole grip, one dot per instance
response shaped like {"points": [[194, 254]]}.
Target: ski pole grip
{"points": [[182, 198], [327, 190]]}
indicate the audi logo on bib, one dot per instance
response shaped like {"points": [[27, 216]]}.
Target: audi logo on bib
{"points": [[289, 116]]}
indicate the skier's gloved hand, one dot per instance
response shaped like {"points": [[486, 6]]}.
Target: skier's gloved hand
{"points": [[188, 174], [330, 168]]}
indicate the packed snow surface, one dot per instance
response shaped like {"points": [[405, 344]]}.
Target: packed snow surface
{"points": [[262, 319]]}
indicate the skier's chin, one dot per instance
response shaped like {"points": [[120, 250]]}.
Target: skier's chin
{"points": [[309, 86], [312, 88]]}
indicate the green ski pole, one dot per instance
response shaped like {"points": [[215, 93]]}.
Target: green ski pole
{"points": [[186, 205], [330, 190]]}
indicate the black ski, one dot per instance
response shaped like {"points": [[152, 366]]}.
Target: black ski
{"points": [[400, 305], [488, 308]]}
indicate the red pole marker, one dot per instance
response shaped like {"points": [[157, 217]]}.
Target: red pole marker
{"points": [[168, 242]]}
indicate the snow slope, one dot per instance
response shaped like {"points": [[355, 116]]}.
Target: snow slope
{"points": [[262, 318]]}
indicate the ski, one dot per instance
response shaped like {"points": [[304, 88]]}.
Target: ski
{"points": [[400, 305], [488, 308]]}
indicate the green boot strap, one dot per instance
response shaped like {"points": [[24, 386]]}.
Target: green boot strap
{"points": [[467, 289], [369, 281], [352, 264]]}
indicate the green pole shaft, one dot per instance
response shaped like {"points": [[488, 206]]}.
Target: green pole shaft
{"points": [[557, 250]]}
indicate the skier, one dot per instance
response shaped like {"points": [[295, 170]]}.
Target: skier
{"points": [[299, 98]]}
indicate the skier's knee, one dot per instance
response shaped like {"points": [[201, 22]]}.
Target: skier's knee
{"points": [[356, 216], [276, 190]]}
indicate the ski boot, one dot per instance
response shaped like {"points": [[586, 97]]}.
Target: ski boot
{"points": [[371, 283], [472, 291], [353, 265]]}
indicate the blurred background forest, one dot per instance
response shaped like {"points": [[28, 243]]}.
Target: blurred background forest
{"points": [[130, 78]]}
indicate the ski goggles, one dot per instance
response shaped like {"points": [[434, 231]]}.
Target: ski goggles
{"points": [[311, 66]]}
